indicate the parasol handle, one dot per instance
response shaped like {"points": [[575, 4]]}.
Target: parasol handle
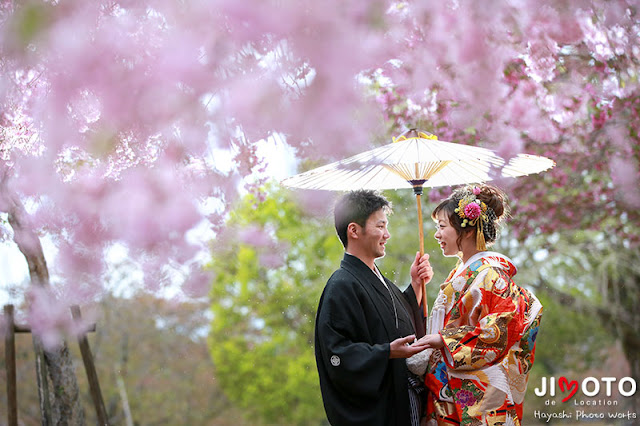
{"points": [[420, 228], [418, 191]]}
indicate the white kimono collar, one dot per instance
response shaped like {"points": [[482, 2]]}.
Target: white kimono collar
{"points": [[495, 259]]}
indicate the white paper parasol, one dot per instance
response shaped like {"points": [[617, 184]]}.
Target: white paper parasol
{"points": [[417, 159]]}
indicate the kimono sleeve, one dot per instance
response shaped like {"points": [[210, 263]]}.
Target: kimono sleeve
{"points": [[355, 363], [485, 323], [414, 310]]}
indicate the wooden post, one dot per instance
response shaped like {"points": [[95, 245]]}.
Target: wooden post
{"points": [[41, 371], [41, 380], [10, 355], [10, 360], [92, 375]]}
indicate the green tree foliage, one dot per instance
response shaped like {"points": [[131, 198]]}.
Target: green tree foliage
{"points": [[592, 279], [271, 266], [262, 332], [590, 320]]}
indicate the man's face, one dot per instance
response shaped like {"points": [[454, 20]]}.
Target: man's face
{"points": [[375, 234]]}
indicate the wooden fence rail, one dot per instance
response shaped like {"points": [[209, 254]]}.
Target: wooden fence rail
{"points": [[11, 328]]}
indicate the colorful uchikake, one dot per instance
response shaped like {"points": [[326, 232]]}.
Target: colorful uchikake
{"points": [[470, 209]]}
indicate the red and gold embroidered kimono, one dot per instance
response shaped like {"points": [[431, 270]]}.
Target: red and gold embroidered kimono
{"points": [[489, 326]]}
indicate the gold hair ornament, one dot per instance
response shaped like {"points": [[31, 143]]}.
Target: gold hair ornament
{"points": [[474, 212]]}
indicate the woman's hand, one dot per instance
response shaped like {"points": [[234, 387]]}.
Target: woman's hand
{"points": [[431, 341]]}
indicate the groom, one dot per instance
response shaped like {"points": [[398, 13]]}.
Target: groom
{"points": [[365, 325]]}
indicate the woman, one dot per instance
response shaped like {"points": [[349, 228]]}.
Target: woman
{"points": [[483, 326]]}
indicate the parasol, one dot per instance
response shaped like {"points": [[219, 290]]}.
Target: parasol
{"points": [[417, 159]]}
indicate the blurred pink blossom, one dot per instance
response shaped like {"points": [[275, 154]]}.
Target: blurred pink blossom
{"points": [[625, 174], [316, 203], [198, 283], [115, 113], [156, 277], [541, 59], [510, 142], [595, 37], [271, 259], [49, 317], [255, 236]]}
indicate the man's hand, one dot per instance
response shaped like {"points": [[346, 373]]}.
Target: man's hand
{"points": [[404, 347], [431, 341], [421, 273]]}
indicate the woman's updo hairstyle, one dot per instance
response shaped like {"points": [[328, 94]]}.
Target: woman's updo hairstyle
{"points": [[496, 211], [496, 200]]}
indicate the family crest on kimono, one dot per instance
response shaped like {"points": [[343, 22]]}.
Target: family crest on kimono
{"points": [[482, 328]]}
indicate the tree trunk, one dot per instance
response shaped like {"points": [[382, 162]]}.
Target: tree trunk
{"points": [[65, 401]]}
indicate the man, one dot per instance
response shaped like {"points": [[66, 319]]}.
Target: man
{"points": [[365, 325]]}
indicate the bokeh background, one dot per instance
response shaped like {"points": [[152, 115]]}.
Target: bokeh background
{"points": [[141, 148]]}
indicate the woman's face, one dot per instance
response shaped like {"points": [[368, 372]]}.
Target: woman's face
{"points": [[446, 235]]}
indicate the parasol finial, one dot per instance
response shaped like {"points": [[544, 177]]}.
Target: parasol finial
{"points": [[414, 133]]}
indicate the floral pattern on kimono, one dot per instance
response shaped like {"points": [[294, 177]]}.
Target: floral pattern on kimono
{"points": [[489, 329]]}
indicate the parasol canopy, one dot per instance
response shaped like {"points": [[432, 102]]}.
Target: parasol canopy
{"points": [[416, 159]]}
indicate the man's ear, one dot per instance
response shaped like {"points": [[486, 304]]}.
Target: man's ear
{"points": [[352, 230]]}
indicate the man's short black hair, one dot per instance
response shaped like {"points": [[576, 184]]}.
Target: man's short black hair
{"points": [[357, 206]]}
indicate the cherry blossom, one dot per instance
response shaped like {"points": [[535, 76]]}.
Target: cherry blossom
{"points": [[116, 114]]}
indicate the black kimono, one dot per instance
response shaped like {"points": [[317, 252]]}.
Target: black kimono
{"points": [[355, 323]]}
